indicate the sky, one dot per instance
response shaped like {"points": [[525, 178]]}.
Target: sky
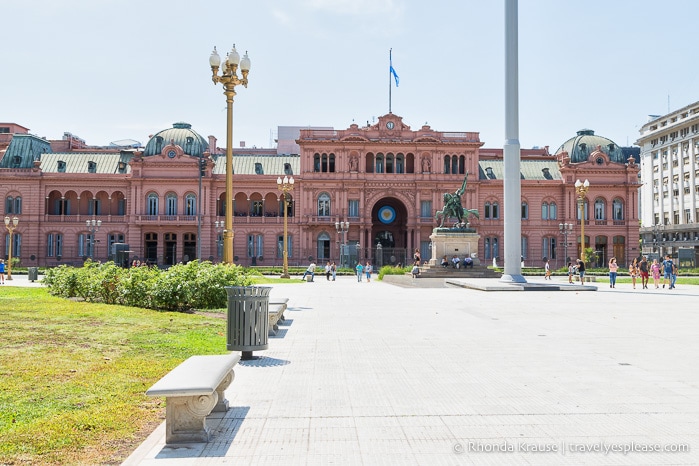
{"points": [[107, 70]]}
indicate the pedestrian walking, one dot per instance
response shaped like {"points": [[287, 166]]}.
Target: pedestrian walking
{"points": [[416, 256], [667, 271], [571, 272], [360, 270], [368, 268], [547, 268], [673, 277], [613, 270], [643, 272], [2, 271], [633, 272], [655, 271], [581, 271], [333, 270], [328, 271]]}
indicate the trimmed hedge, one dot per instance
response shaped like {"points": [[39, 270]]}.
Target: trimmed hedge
{"points": [[182, 287], [391, 270]]}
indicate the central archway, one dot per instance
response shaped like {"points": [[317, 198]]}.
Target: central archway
{"points": [[388, 236]]}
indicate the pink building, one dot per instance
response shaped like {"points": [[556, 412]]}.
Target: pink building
{"points": [[387, 180]]}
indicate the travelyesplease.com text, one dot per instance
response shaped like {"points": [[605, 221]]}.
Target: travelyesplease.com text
{"points": [[565, 448]]}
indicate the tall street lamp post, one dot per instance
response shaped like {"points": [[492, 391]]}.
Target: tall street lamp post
{"points": [[343, 227], [581, 189], [93, 227], [565, 229], [10, 224], [285, 186], [229, 79]]}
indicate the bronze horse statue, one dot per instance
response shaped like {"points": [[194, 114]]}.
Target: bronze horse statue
{"points": [[453, 208]]}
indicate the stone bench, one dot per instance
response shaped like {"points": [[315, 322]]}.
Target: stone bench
{"points": [[277, 306], [192, 391]]}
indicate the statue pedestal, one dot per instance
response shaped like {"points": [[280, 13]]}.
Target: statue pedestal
{"points": [[454, 242]]}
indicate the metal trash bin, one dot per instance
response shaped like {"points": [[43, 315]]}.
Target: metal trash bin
{"points": [[248, 308], [32, 273]]}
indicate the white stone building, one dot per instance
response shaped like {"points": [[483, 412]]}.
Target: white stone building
{"points": [[670, 184]]}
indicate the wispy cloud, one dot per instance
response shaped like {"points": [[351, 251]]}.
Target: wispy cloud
{"points": [[356, 7]]}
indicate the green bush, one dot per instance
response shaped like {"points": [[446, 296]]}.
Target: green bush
{"points": [[195, 285], [391, 270], [62, 281]]}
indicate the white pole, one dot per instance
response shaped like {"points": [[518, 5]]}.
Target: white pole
{"points": [[511, 151]]}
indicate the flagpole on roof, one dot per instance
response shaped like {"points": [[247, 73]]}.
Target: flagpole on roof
{"points": [[391, 71], [390, 62]]}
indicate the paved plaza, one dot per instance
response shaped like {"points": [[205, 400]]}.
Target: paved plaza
{"points": [[374, 373]]}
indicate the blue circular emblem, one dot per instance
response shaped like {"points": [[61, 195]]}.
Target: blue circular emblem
{"points": [[387, 214]]}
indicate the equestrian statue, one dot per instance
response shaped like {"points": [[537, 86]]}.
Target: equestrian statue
{"points": [[453, 208]]}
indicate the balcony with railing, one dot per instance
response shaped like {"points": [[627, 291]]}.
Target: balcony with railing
{"points": [[78, 218]]}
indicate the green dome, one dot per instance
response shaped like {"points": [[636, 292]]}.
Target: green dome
{"points": [[581, 146], [180, 134]]}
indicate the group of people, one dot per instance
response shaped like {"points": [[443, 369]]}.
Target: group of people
{"points": [[331, 271], [578, 268], [364, 270], [667, 269], [457, 263]]}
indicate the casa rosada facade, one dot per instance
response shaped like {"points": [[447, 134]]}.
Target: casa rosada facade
{"points": [[166, 200]]}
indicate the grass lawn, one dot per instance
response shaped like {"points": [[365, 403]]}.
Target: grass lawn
{"points": [[74, 374]]}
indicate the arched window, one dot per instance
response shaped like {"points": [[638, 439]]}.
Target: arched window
{"points": [[525, 210], [548, 247], [400, 163], [599, 209], [389, 163], [324, 163], [94, 207], [255, 245], [280, 246], [190, 204], [379, 163], [54, 245], [324, 205], [289, 206], [447, 164], [13, 205], [544, 211], [316, 163], [454, 165], [369, 162], [495, 210], [331, 163], [486, 210], [491, 247], [152, 204], [462, 165], [171, 204], [323, 247], [16, 245], [617, 209], [9, 205], [553, 214], [584, 208]]}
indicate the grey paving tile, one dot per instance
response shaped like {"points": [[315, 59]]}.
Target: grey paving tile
{"points": [[400, 376]]}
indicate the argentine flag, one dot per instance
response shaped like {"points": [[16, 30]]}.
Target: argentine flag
{"points": [[392, 70]]}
